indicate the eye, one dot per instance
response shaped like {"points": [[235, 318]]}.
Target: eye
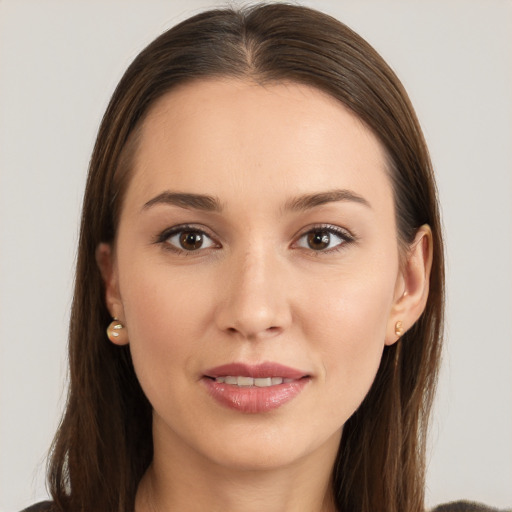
{"points": [[187, 239], [324, 239]]}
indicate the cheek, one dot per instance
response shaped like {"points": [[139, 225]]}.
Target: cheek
{"points": [[160, 303], [350, 329], [164, 317]]}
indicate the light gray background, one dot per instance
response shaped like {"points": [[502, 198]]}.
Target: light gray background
{"points": [[59, 63]]}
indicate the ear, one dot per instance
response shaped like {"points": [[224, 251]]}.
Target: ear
{"points": [[412, 287], [105, 260]]}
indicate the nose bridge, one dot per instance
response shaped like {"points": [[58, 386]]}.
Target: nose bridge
{"points": [[255, 303]]}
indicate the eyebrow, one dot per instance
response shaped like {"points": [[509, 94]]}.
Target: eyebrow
{"points": [[309, 201], [185, 200], [212, 204]]}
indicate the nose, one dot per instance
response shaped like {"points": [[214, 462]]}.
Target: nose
{"points": [[254, 297]]}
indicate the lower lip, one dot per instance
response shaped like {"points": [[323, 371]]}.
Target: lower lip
{"points": [[253, 399]]}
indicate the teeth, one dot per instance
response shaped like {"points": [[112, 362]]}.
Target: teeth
{"points": [[263, 383], [246, 382]]}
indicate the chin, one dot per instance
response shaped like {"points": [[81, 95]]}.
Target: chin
{"points": [[267, 448]]}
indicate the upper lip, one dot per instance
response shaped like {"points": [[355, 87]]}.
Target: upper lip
{"points": [[262, 370]]}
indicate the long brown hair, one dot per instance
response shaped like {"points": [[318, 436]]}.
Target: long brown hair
{"points": [[104, 443]]}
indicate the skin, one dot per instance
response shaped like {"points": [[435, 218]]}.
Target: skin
{"points": [[255, 290]]}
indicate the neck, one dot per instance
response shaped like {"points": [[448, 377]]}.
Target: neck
{"points": [[181, 479]]}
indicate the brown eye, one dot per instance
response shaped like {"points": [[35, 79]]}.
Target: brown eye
{"points": [[191, 240], [186, 239], [318, 240], [324, 239]]}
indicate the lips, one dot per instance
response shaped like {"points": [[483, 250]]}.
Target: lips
{"points": [[254, 388]]}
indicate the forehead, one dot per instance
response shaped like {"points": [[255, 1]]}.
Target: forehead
{"points": [[228, 136]]}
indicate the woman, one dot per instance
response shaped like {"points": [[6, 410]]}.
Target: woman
{"points": [[261, 236]]}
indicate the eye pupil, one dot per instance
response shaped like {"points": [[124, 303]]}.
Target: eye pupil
{"points": [[191, 240], [318, 240]]}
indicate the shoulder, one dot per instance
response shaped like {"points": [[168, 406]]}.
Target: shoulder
{"points": [[43, 506], [466, 506]]}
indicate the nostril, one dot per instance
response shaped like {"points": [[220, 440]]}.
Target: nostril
{"points": [[271, 332], [266, 332]]}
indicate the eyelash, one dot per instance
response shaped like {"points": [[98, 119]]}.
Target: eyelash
{"points": [[343, 234]]}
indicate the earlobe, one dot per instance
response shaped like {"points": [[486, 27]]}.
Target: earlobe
{"points": [[414, 285], [106, 264]]}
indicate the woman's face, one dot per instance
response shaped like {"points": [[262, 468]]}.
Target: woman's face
{"points": [[256, 270]]}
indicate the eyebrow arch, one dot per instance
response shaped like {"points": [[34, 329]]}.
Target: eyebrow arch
{"points": [[309, 201], [186, 200]]}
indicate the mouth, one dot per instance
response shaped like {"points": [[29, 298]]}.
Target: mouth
{"points": [[254, 388], [248, 382]]}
